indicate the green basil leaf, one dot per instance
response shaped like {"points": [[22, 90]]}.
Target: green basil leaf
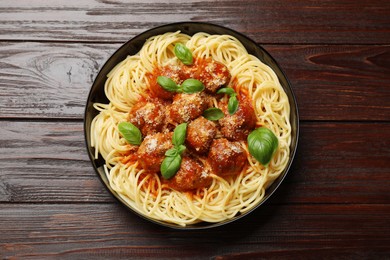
{"points": [[169, 166], [130, 132], [172, 152], [167, 83], [177, 150], [213, 114], [228, 91], [262, 144], [232, 104], [179, 134], [183, 54], [191, 86], [180, 149]]}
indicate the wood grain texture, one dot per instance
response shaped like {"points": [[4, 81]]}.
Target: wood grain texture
{"points": [[333, 204], [338, 82], [335, 163], [109, 231], [266, 21], [52, 80], [47, 162]]}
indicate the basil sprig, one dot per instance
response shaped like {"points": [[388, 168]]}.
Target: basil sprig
{"points": [[130, 132], [167, 83], [172, 161], [233, 101], [233, 104], [170, 166], [228, 91], [189, 86], [262, 144], [179, 134], [213, 114], [183, 54]]}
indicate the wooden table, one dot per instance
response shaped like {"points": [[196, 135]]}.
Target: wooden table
{"points": [[334, 202]]}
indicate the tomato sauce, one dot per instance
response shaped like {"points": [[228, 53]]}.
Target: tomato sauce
{"points": [[202, 156]]}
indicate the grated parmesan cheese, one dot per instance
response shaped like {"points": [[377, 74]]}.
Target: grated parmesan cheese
{"points": [[151, 145]]}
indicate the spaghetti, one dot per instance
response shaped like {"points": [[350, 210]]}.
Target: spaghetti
{"points": [[225, 196]]}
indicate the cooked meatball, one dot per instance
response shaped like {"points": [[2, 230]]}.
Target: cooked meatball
{"points": [[214, 75], [148, 116], [152, 150], [172, 72], [200, 134], [237, 127], [211, 73], [186, 107], [193, 174], [226, 158]]}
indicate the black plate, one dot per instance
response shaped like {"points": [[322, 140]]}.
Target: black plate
{"points": [[131, 47]]}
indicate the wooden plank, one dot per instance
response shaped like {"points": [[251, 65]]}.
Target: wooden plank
{"points": [[355, 22], [335, 163], [340, 163], [52, 80], [338, 82], [74, 231], [42, 80], [47, 162]]}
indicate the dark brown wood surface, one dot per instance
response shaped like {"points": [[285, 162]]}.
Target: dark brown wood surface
{"points": [[335, 201]]}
